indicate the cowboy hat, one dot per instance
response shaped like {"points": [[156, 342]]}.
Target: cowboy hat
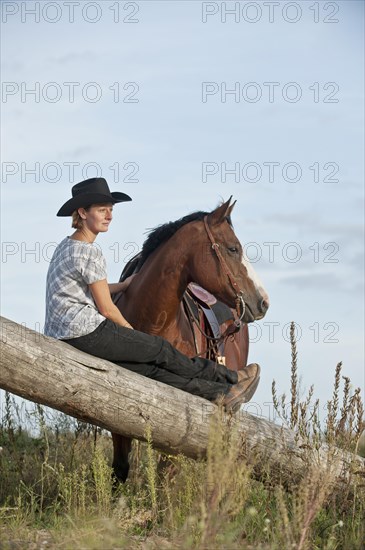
{"points": [[88, 192]]}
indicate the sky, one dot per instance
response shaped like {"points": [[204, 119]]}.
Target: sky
{"points": [[182, 104]]}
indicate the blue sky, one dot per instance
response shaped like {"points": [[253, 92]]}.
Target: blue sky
{"points": [[163, 133]]}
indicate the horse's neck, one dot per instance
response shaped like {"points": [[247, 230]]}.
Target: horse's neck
{"points": [[152, 302]]}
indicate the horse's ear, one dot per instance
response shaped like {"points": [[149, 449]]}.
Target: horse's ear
{"points": [[221, 213], [231, 208]]}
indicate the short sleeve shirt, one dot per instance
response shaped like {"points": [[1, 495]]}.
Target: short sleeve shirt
{"points": [[70, 308]]}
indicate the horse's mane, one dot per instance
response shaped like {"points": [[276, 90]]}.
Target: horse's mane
{"points": [[164, 232]]}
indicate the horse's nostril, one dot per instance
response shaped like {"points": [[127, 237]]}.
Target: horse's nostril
{"points": [[264, 305]]}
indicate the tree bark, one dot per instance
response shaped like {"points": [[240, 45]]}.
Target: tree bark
{"points": [[53, 373]]}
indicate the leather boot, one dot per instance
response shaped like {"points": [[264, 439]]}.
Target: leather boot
{"points": [[248, 380]]}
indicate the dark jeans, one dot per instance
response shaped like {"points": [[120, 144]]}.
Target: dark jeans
{"points": [[156, 358]]}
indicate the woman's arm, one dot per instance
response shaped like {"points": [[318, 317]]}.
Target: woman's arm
{"points": [[101, 294]]}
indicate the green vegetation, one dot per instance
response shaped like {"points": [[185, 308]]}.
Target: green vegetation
{"points": [[56, 488]]}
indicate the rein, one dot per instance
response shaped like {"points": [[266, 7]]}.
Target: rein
{"points": [[240, 304]]}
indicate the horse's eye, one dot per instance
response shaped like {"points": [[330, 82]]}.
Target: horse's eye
{"points": [[233, 249]]}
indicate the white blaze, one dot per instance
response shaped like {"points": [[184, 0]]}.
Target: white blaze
{"points": [[252, 275]]}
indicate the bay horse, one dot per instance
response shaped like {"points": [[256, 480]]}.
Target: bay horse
{"points": [[199, 248]]}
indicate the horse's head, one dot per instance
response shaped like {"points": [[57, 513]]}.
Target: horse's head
{"points": [[223, 267]]}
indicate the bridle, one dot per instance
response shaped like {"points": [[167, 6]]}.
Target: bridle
{"points": [[240, 303]]}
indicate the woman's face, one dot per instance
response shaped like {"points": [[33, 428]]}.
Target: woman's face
{"points": [[98, 217]]}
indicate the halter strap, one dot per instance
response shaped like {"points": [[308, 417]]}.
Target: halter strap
{"points": [[239, 294]]}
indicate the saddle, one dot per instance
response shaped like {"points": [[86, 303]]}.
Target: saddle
{"points": [[216, 336], [215, 323], [203, 310]]}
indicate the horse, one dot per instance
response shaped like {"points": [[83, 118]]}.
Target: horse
{"points": [[199, 248]]}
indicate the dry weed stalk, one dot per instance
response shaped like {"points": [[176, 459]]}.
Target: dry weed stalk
{"points": [[227, 481], [332, 405], [294, 403], [311, 495], [342, 427]]}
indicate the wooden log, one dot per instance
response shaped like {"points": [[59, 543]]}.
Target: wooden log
{"points": [[53, 373]]}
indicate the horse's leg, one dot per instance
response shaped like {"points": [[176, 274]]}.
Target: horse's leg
{"points": [[122, 447]]}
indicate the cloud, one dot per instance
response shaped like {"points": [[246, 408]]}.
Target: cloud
{"points": [[74, 57], [314, 281], [313, 222]]}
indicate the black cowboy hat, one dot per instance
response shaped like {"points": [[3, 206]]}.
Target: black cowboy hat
{"points": [[88, 192]]}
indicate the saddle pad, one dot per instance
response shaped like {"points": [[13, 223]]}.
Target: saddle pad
{"points": [[210, 318], [214, 325], [222, 312]]}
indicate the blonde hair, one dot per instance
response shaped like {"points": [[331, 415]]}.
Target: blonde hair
{"points": [[77, 220]]}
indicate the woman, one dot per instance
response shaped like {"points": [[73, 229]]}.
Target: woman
{"points": [[80, 310]]}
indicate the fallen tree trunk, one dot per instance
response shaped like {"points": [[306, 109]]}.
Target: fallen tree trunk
{"points": [[54, 373]]}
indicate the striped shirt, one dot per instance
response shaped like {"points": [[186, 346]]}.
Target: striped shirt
{"points": [[70, 308]]}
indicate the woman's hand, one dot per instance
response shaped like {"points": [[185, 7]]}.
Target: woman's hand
{"points": [[103, 301], [116, 288]]}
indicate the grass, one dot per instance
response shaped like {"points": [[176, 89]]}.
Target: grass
{"points": [[56, 489]]}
